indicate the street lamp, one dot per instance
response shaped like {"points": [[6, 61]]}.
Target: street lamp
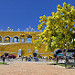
{"points": [[73, 43]]}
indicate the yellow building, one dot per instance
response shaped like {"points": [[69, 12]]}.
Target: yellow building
{"points": [[20, 41]]}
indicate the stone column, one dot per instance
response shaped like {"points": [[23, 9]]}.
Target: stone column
{"points": [[11, 40], [25, 39], [33, 40], [19, 40], [2, 39]]}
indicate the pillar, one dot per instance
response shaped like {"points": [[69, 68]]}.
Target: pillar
{"points": [[19, 40], [11, 40], [25, 39], [2, 39], [33, 40]]}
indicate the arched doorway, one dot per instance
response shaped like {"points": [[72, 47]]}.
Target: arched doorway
{"points": [[7, 39], [23, 40], [0, 38], [15, 39], [29, 39]]}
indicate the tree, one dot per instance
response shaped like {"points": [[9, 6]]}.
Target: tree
{"points": [[58, 28]]}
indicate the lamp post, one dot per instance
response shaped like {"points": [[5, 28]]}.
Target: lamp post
{"points": [[73, 43]]}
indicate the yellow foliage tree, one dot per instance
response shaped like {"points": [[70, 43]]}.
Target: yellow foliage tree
{"points": [[58, 28]]}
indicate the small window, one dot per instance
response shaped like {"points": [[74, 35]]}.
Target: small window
{"points": [[28, 50]]}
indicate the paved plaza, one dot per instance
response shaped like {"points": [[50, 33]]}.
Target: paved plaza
{"points": [[33, 68]]}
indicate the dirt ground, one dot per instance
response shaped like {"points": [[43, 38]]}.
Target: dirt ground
{"points": [[34, 68]]}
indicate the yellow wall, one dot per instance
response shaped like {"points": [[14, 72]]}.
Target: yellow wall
{"points": [[23, 47], [16, 33]]}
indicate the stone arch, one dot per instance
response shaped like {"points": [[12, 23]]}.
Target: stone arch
{"points": [[0, 38], [22, 40], [29, 39], [15, 39], [29, 36], [7, 39]]}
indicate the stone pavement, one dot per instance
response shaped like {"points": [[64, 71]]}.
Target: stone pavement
{"points": [[17, 67]]}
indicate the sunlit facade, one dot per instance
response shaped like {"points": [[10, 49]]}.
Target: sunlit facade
{"points": [[12, 41]]}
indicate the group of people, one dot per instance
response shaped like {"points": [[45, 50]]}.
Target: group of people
{"points": [[29, 58], [24, 57], [3, 57]]}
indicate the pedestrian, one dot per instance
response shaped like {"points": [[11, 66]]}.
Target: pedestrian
{"points": [[3, 58], [46, 58], [26, 58], [22, 58], [50, 58], [56, 59], [7, 58]]}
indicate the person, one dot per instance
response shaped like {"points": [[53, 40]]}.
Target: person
{"points": [[19, 56], [26, 58], [29, 59], [22, 58], [46, 58], [35, 54], [50, 57], [7, 58], [56, 59], [66, 59], [3, 58]]}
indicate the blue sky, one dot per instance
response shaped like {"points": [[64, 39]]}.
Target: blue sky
{"points": [[24, 13]]}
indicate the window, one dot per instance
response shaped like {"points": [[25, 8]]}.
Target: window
{"points": [[28, 50]]}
